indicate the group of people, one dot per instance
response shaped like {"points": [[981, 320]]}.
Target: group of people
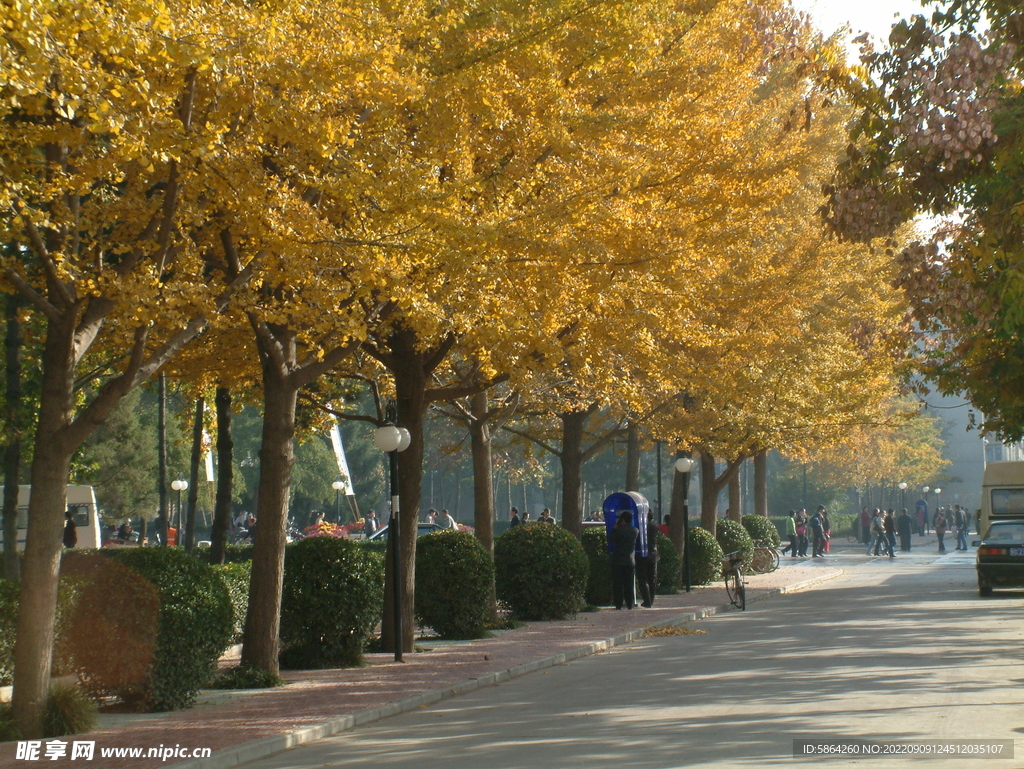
{"points": [[802, 531], [880, 528], [516, 518], [443, 519]]}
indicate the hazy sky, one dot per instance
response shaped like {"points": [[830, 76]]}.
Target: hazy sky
{"points": [[873, 16]]}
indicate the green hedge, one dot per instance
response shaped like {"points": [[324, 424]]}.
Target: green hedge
{"points": [[332, 600], [63, 663], [669, 566], [236, 577], [454, 580], [154, 638], [732, 536], [599, 579], [761, 529], [540, 572], [705, 557]]}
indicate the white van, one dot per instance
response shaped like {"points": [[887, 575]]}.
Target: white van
{"points": [[81, 504], [1002, 494]]}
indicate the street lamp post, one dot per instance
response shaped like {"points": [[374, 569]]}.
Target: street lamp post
{"points": [[179, 485], [937, 492], [338, 485], [902, 486], [685, 465], [391, 440]]}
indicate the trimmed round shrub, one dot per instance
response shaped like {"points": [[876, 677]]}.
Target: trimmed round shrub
{"points": [[454, 580], [236, 577], [195, 624], [669, 566], [761, 529], [705, 557], [599, 580], [732, 536], [540, 572], [62, 645], [332, 600]]}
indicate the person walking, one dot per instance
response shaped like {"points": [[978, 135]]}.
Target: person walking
{"points": [[826, 527], [545, 516], [791, 535], [801, 532], [817, 534], [623, 560], [889, 527], [647, 566], [865, 526], [877, 533], [904, 527], [961, 528], [940, 529], [514, 520]]}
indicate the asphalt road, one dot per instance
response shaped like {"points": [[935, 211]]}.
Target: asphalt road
{"points": [[900, 649]]}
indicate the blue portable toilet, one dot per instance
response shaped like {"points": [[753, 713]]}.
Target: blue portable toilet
{"points": [[632, 502]]}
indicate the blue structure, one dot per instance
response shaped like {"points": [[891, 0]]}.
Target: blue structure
{"points": [[632, 502]]}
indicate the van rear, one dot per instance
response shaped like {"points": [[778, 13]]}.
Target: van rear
{"points": [[1002, 494]]}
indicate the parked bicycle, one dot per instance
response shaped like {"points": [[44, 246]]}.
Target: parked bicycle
{"points": [[766, 558], [732, 572]]}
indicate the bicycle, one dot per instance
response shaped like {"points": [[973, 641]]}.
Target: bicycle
{"points": [[732, 572], [766, 558]]}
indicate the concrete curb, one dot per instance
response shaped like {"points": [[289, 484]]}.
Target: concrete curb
{"points": [[268, 746]]}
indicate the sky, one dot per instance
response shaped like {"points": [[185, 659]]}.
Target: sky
{"points": [[873, 16]]}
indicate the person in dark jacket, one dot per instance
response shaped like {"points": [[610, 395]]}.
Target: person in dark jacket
{"points": [[622, 544], [905, 528], [70, 537], [514, 520], [647, 565]]}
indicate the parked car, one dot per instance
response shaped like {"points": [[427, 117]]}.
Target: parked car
{"points": [[421, 529], [1000, 558]]}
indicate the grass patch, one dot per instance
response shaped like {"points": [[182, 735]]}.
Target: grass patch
{"points": [[246, 677]]}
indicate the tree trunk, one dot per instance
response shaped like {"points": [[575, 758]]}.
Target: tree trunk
{"points": [[709, 490], [33, 651], [163, 519], [12, 452], [483, 499], [411, 379], [572, 470], [761, 483], [225, 471], [277, 455], [677, 506], [193, 475], [735, 501], [633, 458]]}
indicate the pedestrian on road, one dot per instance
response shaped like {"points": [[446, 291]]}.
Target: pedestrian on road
{"points": [[940, 530], [961, 528], [889, 527], [663, 528], [904, 527], [647, 565], [623, 560], [865, 526], [791, 535], [877, 533], [826, 527], [818, 534], [801, 532]]}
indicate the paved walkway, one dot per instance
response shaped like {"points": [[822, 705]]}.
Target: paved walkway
{"points": [[240, 726]]}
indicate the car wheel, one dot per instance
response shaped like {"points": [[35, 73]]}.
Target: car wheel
{"points": [[984, 587]]}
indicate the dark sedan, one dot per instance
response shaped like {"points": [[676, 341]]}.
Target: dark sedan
{"points": [[1001, 556]]}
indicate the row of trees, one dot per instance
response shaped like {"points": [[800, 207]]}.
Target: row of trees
{"points": [[575, 221]]}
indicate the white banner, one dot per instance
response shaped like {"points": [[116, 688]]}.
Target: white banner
{"points": [[339, 454]]}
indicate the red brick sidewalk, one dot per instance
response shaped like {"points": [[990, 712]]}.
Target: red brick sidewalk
{"points": [[227, 721]]}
